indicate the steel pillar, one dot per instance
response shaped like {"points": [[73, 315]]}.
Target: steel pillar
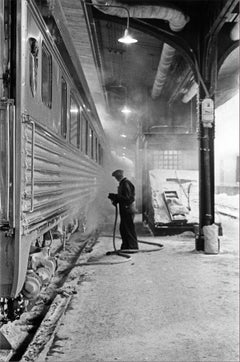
{"points": [[206, 166]]}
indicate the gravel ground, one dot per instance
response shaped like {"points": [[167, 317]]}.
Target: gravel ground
{"points": [[173, 305]]}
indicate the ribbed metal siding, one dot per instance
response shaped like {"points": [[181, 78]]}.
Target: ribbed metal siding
{"points": [[64, 180]]}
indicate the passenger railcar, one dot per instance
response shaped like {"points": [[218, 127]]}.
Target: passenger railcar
{"points": [[52, 145]]}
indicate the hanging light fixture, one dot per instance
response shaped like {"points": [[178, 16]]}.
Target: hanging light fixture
{"points": [[126, 110], [127, 38]]}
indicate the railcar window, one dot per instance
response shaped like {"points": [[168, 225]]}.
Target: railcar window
{"points": [[46, 77], [80, 143], [74, 123], [96, 149], [33, 65], [86, 137], [81, 138], [100, 155], [91, 142], [64, 109], [83, 132]]}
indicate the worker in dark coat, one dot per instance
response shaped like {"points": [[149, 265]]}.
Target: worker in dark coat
{"points": [[125, 198]]}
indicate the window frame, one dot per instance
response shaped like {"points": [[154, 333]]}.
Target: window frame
{"points": [[33, 65], [78, 136], [95, 148], [91, 140], [47, 98], [64, 107], [86, 150], [166, 159]]}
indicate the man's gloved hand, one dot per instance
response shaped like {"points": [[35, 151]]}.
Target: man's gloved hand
{"points": [[113, 198]]}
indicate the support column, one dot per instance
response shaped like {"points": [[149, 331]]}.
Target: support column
{"points": [[138, 173], [206, 166]]}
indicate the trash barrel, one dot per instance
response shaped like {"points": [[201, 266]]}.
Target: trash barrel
{"points": [[211, 240]]}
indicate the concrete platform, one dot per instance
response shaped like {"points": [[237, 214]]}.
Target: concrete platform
{"points": [[172, 305]]}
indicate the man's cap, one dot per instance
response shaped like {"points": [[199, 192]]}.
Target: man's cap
{"points": [[117, 173]]}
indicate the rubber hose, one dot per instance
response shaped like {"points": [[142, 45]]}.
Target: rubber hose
{"points": [[125, 252]]}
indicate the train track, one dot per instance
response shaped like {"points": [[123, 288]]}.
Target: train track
{"points": [[27, 336]]}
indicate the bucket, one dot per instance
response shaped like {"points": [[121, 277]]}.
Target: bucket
{"points": [[211, 240]]}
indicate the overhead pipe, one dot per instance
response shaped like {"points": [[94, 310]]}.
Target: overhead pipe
{"points": [[177, 20], [191, 92], [165, 62]]}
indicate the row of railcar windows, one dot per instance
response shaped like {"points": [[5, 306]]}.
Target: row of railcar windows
{"points": [[81, 133]]}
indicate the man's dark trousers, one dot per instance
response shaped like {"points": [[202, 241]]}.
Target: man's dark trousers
{"points": [[127, 230]]}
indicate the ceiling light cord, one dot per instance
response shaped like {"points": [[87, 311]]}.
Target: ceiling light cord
{"points": [[110, 6], [127, 38]]}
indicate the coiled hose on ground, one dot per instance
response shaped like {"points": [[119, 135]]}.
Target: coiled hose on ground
{"points": [[125, 252]]}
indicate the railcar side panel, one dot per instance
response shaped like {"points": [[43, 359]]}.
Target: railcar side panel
{"points": [[63, 180], [56, 182]]}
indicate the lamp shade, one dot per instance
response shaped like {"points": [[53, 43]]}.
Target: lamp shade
{"points": [[127, 38], [126, 110]]}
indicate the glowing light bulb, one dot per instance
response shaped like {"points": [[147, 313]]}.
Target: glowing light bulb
{"points": [[127, 38], [126, 110], [74, 110]]}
